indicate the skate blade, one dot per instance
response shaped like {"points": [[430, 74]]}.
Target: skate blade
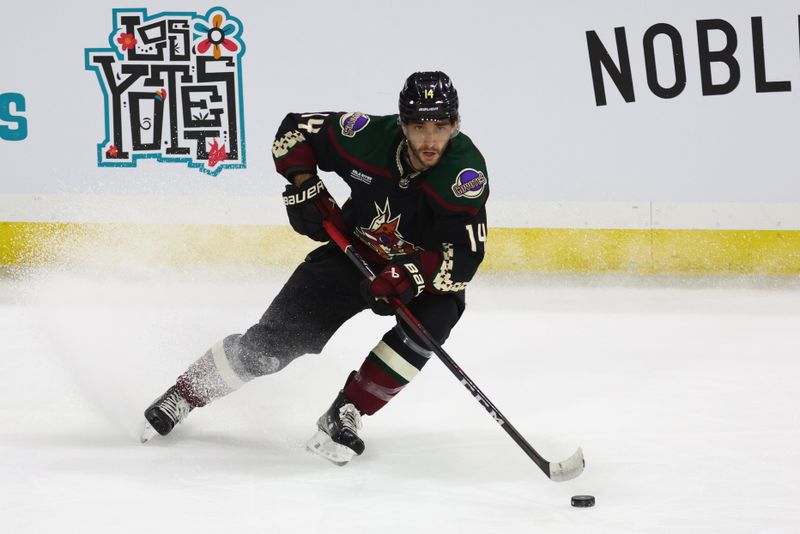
{"points": [[148, 433], [322, 445]]}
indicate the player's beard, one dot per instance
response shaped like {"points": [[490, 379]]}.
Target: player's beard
{"points": [[424, 157]]}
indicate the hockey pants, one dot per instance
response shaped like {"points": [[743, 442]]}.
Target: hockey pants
{"points": [[321, 294]]}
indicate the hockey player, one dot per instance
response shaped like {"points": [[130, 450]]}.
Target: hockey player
{"points": [[416, 212]]}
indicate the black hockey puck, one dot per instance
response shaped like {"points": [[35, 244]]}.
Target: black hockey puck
{"points": [[583, 501]]}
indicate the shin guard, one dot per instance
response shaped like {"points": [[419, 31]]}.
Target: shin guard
{"points": [[212, 376], [392, 364]]}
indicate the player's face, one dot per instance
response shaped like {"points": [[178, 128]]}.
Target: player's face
{"points": [[427, 141]]}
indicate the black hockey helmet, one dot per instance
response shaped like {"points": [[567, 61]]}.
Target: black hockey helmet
{"points": [[428, 96]]}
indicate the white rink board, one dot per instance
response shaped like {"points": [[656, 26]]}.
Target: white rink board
{"points": [[528, 101]]}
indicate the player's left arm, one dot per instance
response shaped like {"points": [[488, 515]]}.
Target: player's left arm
{"points": [[456, 192], [460, 240]]}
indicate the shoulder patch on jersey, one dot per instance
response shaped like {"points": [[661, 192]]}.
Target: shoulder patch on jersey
{"points": [[352, 123], [469, 183]]}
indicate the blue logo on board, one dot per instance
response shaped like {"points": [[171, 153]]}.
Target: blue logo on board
{"points": [[13, 124]]}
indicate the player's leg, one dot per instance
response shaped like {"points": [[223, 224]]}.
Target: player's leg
{"points": [[317, 299], [388, 368]]}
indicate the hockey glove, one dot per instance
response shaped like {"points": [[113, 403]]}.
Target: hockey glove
{"points": [[401, 279], [301, 206]]}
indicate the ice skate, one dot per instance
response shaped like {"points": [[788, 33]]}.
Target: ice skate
{"points": [[337, 438], [166, 411]]}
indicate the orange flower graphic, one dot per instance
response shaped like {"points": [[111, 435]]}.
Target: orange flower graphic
{"points": [[215, 36]]}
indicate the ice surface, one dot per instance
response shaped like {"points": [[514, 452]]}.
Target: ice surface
{"points": [[684, 397]]}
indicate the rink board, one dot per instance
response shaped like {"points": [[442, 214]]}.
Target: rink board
{"points": [[583, 250]]}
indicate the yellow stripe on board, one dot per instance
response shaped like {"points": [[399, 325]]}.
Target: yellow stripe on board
{"points": [[28, 244], [508, 249], [643, 251]]}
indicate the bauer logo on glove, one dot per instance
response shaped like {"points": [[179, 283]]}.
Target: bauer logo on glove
{"points": [[402, 279], [307, 193], [303, 210], [416, 276]]}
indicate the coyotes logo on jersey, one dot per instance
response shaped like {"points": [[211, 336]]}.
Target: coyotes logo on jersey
{"points": [[383, 235]]}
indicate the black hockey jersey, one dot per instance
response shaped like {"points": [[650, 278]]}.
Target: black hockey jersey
{"points": [[393, 210]]}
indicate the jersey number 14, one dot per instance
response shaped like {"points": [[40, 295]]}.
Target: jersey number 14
{"points": [[481, 235]]}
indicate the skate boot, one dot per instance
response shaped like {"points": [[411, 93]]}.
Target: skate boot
{"points": [[166, 411], [337, 438]]}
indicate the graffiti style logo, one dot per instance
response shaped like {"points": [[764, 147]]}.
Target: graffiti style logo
{"points": [[469, 184], [352, 123], [13, 126], [172, 84], [383, 235]]}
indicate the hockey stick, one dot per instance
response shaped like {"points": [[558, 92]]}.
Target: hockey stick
{"points": [[559, 472]]}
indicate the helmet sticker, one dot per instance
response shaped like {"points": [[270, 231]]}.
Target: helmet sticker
{"points": [[352, 123], [470, 183]]}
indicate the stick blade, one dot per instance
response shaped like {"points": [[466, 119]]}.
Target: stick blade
{"points": [[570, 468]]}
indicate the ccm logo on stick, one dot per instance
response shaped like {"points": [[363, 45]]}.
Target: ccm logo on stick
{"points": [[13, 126], [499, 420]]}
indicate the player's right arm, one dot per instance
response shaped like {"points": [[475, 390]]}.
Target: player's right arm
{"points": [[300, 148], [302, 145]]}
